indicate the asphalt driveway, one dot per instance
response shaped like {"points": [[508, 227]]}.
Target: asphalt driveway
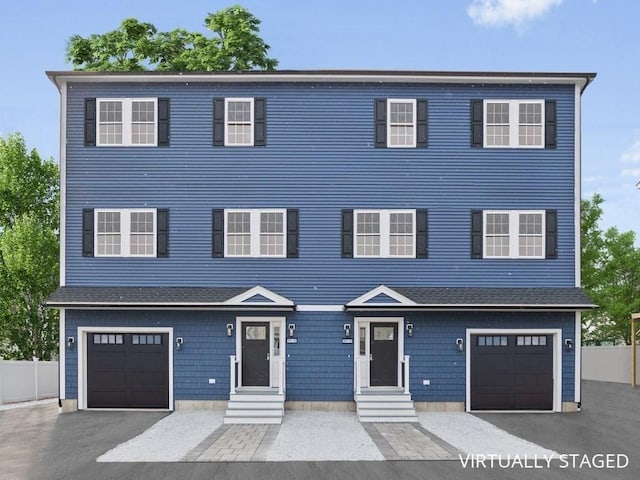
{"points": [[37, 443]]}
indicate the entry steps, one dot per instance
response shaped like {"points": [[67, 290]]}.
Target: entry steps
{"points": [[385, 405], [255, 406]]}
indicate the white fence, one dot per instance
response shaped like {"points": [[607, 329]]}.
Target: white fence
{"points": [[609, 364], [21, 381]]}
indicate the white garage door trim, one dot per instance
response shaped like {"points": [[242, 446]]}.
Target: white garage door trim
{"points": [[557, 358], [82, 356]]}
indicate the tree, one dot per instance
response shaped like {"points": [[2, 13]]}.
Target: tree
{"points": [[29, 199], [610, 276], [134, 46]]}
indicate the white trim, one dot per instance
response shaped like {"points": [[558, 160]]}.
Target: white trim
{"points": [[251, 141], [255, 231], [514, 123], [63, 184], [384, 232], [401, 300], [81, 340], [273, 321], [514, 233], [414, 125], [577, 184], [125, 231], [127, 122], [577, 349], [557, 358], [62, 356], [241, 300], [366, 322], [320, 308]]}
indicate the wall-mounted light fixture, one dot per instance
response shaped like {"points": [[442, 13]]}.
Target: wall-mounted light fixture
{"points": [[70, 342], [568, 344], [229, 329], [292, 329], [347, 330], [410, 329], [179, 342], [460, 344]]}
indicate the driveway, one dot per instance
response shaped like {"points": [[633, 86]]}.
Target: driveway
{"points": [[37, 443]]}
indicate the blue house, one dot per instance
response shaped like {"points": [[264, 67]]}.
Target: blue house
{"points": [[382, 241]]}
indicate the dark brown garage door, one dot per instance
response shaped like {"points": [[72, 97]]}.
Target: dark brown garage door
{"points": [[127, 370], [511, 372]]}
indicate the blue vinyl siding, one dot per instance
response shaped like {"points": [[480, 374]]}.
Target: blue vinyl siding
{"points": [[320, 158], [320, 367]]}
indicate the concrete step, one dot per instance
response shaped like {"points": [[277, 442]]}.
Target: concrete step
{"points": [[255, 405], [398, 397], [385, 405], [253, 413], [241, 397]]}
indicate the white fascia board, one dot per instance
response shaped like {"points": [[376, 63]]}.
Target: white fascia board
{"points": [[401, 300], [467, 307], [241, 300], [63, 183]]}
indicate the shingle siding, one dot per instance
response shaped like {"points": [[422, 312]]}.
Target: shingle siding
{"points": [[319, 158]]}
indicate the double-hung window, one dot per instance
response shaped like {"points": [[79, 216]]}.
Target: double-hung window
{"points": [[255, 233], [127, 121], [238, 121], [401, 123], [514, 123], [125, 232], [514, 234], [385, 233]]}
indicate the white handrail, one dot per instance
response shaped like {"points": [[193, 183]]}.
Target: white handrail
{"points": [[281, 387], [406, 374], [232, 376], [356, 372]]}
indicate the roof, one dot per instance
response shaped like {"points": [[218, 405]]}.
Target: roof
{"points": [[190, 298], [390, 76], [472, 298]]}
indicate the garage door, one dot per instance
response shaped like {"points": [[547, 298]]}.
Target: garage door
{"points": [[127, 370], [511, 372]]}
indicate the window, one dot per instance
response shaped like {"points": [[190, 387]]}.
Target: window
{"points": [[238, 121], [531, 340], [127, 121], [401, 123], [125, 233], [255, 233], [107, 339], [514, 234], [146, 339], [385, 233], [492, 341], [514, 124]]}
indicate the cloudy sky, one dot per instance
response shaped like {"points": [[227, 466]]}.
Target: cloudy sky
{"points": [[513, 35]]}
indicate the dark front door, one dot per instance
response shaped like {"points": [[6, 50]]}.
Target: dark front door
{"points": [[384, 355], [255, 354], [511, 372], [127, 370]]}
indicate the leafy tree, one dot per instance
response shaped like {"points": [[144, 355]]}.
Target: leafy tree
{"points": [[28, 250], [610, 276], [234, 46]]}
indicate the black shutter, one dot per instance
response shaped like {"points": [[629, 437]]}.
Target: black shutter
{"points": [[163, 122], [551, 234], [422, 135], [381, 122], [292, 233], [477, 123], [162, 236], [347, 233], [422, 233], [550, 125], [259, 122], [218, 122], [217, 233], [87, 232], [89, 122], [476, 233]]}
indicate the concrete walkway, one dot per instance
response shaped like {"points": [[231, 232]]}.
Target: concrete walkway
{"points": [[200, 436]]}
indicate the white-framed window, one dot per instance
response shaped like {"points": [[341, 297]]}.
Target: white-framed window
{"points": [[238, 121], [384, 233], [127, 122], [401, 123], [514, 234], [255, 232], [125, 232], [514, 123]]}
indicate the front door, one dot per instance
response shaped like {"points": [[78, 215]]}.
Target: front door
{"points": [[255, 354], [383, 355]]}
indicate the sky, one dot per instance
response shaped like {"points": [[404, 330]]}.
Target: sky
{"points": [[599, 36]]}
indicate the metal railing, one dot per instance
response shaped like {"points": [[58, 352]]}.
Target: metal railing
{"points": [[232, 374]]}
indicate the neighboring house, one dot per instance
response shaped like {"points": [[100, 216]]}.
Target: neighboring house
{"points": [[407, 240]]}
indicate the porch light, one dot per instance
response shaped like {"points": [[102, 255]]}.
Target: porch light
{"points": [[347, 330], [70, 342], [460, 344], [292, 329], [229, 329], [568, 344], [410, 329], [179, 342]]}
